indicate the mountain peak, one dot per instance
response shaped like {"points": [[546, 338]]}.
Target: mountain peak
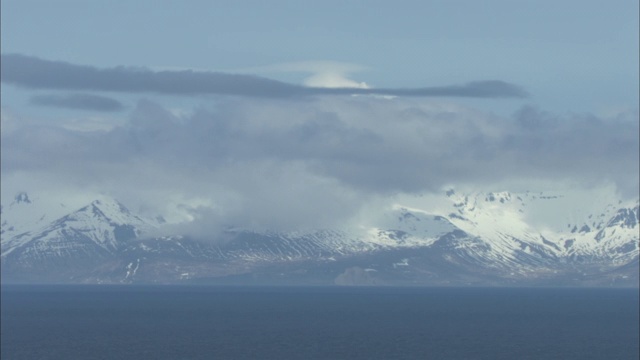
{"points": [[22, 197], [109, 205]]}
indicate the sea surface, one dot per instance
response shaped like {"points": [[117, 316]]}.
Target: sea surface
{"points": [[176, 322]]}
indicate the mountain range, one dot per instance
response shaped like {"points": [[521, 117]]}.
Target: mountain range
{"points": [[477, 239]]}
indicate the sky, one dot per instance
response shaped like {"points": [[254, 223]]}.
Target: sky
{"points": [[287, 114]]}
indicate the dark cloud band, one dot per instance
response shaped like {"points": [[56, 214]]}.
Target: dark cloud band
{"points": [[78, 101], [32, 72]]}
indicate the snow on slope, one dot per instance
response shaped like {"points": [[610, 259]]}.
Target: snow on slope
{"points": [[392, 227], [519, 232], [25, 213], [401, 226], [104, 222], [596, 224]]}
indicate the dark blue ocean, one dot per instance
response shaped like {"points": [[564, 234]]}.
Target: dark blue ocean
{"points": [[173, 322]]}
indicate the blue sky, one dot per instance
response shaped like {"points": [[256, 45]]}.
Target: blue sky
{"points": [[573, 56], [97, 98]]}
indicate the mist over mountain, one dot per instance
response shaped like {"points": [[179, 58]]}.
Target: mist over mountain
{"points": [[494, 239], [326, 190]]}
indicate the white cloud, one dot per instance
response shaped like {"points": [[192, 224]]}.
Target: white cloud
{"points": [[333, 80], [324, 74]]}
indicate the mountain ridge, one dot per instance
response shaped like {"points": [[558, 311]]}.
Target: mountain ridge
{"points": [[472, 239]]}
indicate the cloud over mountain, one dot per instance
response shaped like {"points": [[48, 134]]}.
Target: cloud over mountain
{"points": [[281, 163]]}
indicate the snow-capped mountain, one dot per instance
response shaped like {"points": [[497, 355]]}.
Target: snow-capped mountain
{"points": [[506, 221], [481, 238], [21, 215], [83, 237]]}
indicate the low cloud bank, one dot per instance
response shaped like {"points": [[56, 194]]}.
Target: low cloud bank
{"points": [[291, 165]]}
